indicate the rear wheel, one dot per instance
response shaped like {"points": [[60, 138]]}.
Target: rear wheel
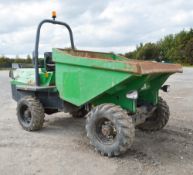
{"points": [[110, 129], [30, 113], [159, 118]]}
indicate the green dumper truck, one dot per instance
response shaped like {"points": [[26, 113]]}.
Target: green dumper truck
{"points": [[115, 94]]}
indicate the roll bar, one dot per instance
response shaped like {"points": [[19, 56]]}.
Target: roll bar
{"points": [[36, 51]]}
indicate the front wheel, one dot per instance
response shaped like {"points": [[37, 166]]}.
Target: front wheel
{"points": [[159, 118], [110, 130], [30, 113]]}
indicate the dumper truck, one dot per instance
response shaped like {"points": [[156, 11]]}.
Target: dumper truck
{"points": [[116, 95]]}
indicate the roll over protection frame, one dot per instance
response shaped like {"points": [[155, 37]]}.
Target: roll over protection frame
{"points": [[36, 51]]}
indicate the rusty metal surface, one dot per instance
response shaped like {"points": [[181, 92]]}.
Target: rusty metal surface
{"points": [[88, 54], [148, 67], [139, 67]]}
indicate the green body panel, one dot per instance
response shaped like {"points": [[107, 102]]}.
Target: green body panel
{"points": [[146, 85], [150, 91], [82, 80], [26, 76], [78, 85], [117, 94]]}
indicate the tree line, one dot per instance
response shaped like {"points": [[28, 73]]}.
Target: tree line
{"points": [[6, 62], [174, 48]]}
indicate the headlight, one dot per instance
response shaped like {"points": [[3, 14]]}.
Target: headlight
{"points": [[132, 95]]}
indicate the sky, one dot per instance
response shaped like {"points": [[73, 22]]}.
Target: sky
{"points": [[102, 25]]}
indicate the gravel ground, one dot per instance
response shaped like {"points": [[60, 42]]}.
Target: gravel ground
{"points": [[61, 147]]}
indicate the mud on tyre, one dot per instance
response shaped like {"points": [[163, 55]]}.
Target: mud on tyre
{"points": [[30, 113], [110, 129]]}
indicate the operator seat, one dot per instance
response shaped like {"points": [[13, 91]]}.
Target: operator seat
{"points": [[49, 64]]}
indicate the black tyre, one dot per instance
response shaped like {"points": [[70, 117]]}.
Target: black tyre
{"points": [[110, 129], [30, 113], [159, 118]]}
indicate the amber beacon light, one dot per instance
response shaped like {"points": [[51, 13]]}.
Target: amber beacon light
{"points": [[54, 15]]}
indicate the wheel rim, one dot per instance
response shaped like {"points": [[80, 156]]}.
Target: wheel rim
{"points": [[106, 131], [25, 115]]}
